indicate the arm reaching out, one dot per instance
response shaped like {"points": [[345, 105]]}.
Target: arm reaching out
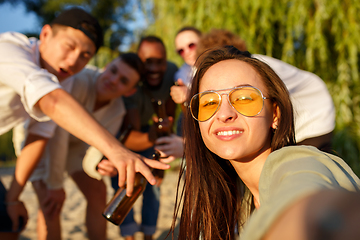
{"points": [[69, 114]]}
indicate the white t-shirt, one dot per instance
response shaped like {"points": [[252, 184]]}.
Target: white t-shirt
{"points": [[314, 109], [64, 152], [22, 80]]}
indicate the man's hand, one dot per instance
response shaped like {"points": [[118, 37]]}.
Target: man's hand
{"points": [[53, 201], [179, 92], [70, 115], [16, 209], [159, 177], [171, 146], [131, 163], [106, 168]]}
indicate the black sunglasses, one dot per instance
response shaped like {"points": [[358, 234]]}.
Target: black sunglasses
{"points": [[191, 46]]}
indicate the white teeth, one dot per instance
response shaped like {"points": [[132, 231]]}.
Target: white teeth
{"points": [[229, 133], [154, 75]]}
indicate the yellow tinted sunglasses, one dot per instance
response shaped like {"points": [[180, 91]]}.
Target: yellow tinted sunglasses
{"points": [[246, 100]]}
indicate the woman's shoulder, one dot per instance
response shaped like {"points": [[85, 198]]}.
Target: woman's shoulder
{"points": [[307, 165], [291, 173], [302, 154]]}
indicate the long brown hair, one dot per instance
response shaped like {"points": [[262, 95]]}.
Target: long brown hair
{"points": [[210, 197]]}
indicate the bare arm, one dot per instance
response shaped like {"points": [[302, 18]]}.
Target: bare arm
{"points": [[25, 165], [327, 214], [136, 141], [71, 116]]}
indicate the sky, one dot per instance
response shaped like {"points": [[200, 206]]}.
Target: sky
{"points": [[15, 18]]}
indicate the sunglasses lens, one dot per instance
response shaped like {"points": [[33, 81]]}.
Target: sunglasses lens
{"points": [[180, 52], [247, 101], [204, 105], [192, 46]]}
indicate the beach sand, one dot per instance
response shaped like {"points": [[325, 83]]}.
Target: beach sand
{"points": [[73, 226]]}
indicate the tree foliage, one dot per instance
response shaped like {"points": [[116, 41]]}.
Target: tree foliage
{"points": [[315, 35], [112, 15]]}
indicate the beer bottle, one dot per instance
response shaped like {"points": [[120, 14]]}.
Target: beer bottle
{"points": [[120, 205], [163, 127]]}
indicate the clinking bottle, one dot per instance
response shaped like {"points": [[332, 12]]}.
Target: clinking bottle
{"points": [[163, 127], [120, 205]]}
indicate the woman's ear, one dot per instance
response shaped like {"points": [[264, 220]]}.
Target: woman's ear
{"points": [[276, 116]]}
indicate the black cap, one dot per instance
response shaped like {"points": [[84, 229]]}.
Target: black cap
{"points": [[79, 19]]}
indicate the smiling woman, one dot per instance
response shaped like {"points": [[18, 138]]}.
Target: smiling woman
{"points": [[242, 166]]}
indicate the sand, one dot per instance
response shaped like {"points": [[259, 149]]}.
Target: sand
{"points": [[73, 227]]}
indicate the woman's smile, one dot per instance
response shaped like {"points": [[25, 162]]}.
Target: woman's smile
{"points": [[228, 134]]}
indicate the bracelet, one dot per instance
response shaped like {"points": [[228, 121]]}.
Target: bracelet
{"points": [[12, 203]]}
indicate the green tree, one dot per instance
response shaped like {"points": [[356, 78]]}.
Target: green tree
{"points": [[114, 17], [315, 35]]}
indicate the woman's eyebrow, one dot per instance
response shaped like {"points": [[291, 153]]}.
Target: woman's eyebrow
{"points": [[244, 85], [240, 85]]}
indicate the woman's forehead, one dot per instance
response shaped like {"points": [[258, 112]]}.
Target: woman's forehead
{"points": [[230, 73]]}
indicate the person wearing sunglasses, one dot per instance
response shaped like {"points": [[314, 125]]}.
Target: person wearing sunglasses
{"points": [[186, 42], [313, 106], [243, 167], [158, 78], [34, 77]]}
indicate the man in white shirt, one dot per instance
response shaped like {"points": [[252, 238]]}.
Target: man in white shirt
{"points": [[100, 92], [30, 72]]}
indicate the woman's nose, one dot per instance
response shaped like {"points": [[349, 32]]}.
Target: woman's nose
{"points": [[226, 112]]}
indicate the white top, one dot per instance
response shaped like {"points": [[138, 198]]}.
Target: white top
{"points": [[314, 109], [22, 80], [66, 152]]}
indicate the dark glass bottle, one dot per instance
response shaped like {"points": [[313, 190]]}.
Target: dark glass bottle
{"points": [[163, 126], [120, 205]]}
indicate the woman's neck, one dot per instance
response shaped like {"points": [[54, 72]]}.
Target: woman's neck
{"points": [[250, 170]]}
